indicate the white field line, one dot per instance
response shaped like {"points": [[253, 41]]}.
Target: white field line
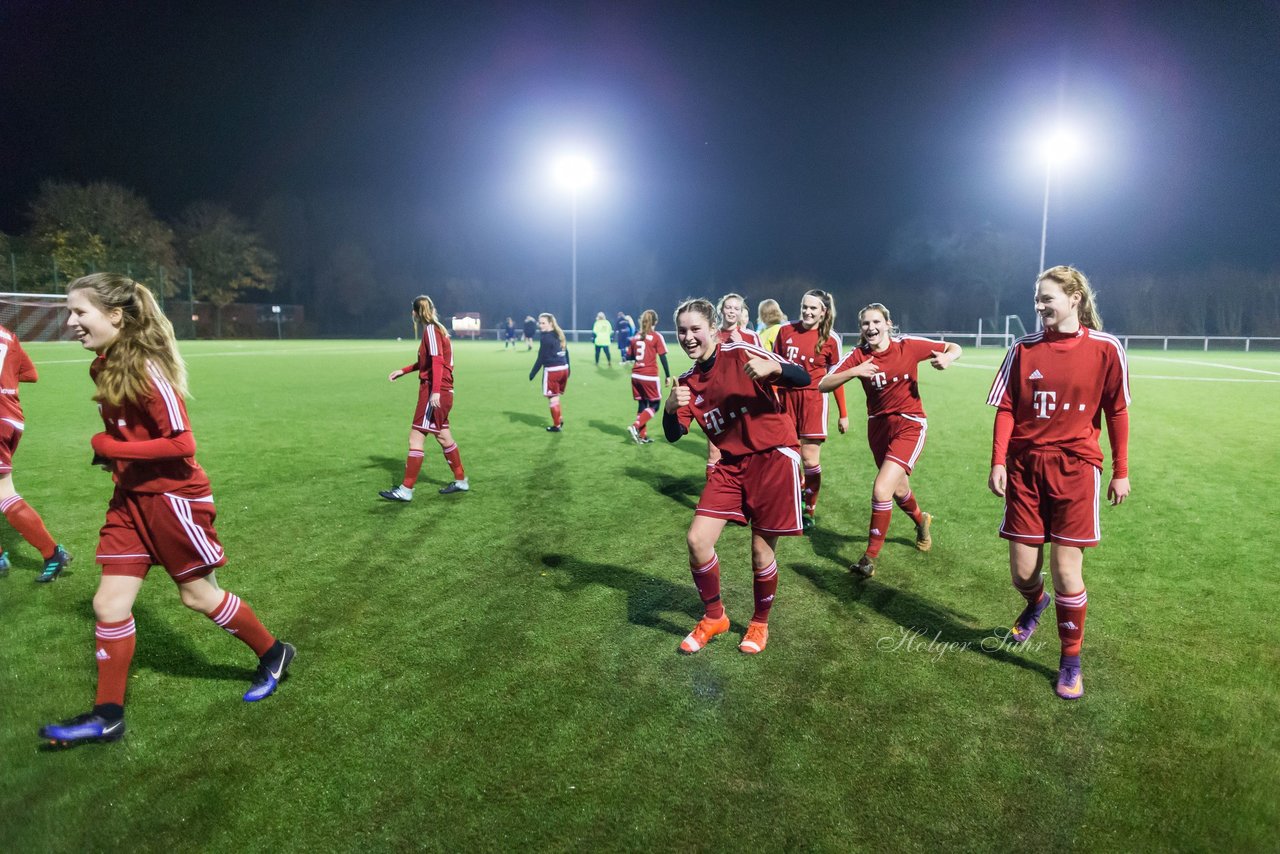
{"points": [[299, 352], [1133, 376], [1205, 364]]}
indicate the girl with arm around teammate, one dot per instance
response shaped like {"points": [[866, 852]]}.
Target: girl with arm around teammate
{"points": [[553, 360], [731, 392], [1052, 391], [810, 343], [886, 363], [435, 399], [162, 510]]}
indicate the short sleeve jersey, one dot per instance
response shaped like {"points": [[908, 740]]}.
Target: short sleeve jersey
{"points": [[739, 415], [15, 367], [645, 350], [895, 388], [435, 360], [797, 344], [748, 335], [1058, 385], [161, 415]]}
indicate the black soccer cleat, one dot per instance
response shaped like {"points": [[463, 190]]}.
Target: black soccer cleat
{"points": [[83, 729], [54, 565]]}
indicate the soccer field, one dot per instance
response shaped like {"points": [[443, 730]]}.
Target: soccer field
{"points": [[497, 670]]}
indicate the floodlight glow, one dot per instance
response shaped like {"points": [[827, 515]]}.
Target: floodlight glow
{"points": [[575, 172], [1061, 144]]}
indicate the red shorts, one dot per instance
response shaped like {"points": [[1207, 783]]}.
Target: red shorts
{"points": [[808, 408], [10, 435], [761, 489], [897, 437], [143, 529], [432, 419], [645, 387], [554, 380], [1051, 496]]}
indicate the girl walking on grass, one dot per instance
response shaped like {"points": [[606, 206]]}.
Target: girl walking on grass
{"points": [[1053, 390], [162, 509], [731, 391], [553, 360], [644, 353], [435, 398], [886, 361]]}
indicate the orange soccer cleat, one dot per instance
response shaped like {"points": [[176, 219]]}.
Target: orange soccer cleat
{"points": [[756, 638], [702, 633], [924, 541]]}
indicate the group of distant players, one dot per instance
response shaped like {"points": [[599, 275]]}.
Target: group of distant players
{"points": [[761, 401], [161, 512]]}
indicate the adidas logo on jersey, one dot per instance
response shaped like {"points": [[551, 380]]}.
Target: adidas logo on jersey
{"points": [[697, 401], [1036, 375]]}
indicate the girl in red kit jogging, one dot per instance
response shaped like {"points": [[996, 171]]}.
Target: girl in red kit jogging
{"points": [[15, 368], [731, 392], [435, 398], [1051, 394], [733, 327], [886, 362], [810, 343], [162, 510], [644, 351], [553, 360]]}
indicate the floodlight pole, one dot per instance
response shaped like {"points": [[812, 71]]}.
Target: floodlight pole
{"points": [[1044, 221], [573, 288]]}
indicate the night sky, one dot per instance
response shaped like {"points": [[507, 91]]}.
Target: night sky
{"points": [[736, 140]]}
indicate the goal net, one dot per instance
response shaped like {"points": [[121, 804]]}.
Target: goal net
{"points": [[35, 317]]}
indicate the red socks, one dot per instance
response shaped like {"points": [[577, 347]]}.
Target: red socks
{"points": [[412, 466], [27, 522], [642, 419], [454, 459], [1071, 610], [812, 483], [555, 414], [707, 579], [881, 511], [239, 620], [910, 507], [115, 643], [1032, 589], [764, 586]]}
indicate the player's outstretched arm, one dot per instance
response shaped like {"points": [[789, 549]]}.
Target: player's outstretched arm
{"points": [[835, 379]]}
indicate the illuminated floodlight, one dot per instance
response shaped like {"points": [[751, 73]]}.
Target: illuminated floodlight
{"points": [[574, 172], [1061, 144]]}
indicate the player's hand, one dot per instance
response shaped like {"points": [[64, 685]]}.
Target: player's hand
{"points": [[435, 399], [940, 360], [680, 396], [736, 335], [843, 424], [761, 368], [998, 481], [395, 375], [1118, 490]]}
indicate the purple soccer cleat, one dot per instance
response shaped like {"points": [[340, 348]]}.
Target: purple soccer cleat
{"points": [[1070, 683], [1025, 626]]}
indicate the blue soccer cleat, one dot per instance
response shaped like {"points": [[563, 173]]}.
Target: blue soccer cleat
{"points": [[1027, 621], [54, 565], [273, 667], [83, 729], [4, 564]]}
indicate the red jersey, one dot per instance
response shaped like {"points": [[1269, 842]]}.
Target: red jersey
{"points": [[739, 415], [1057, 386], [644, 350], [747, 335], [15, 367], [161, 415], [797, 344], [435, 360], [895, 388]]}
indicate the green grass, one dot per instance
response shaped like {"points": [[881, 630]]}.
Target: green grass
{"points": [[498, 670]]}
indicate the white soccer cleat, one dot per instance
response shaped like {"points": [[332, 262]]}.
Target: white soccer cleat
{"points": [[400, 493]]}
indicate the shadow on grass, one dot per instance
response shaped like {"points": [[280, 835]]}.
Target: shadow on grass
{"points": [[613, 431], [647, 596], [394, 466], [525, 418], [918, 616], [164, 650], [682, 490]]}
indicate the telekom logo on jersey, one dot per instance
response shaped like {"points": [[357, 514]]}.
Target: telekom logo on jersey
{"points": [[714, 419], [879, 379]]}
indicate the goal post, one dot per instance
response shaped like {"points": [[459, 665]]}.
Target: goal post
{"points": [[35, 317]]}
